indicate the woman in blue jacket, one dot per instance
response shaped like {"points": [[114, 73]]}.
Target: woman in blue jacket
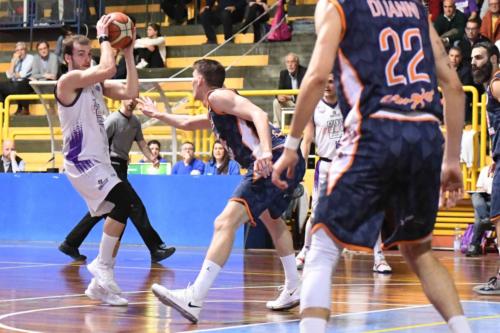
{"points": [[220, 163]]}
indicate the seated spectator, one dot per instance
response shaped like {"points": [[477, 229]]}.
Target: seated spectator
{"points": [[227, 13], [451, 24], [189, 164], [155, 148], [464, 71], [220, 163], [481, 200], [45, 63], [290, 78], [176, 10], [11, 163], [255, 9], [151, 50], [471, 38], [468, 7], [18, 73], [490, 27]]}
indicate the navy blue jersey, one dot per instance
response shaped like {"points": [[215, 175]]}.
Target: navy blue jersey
{"points": [[240, 136], [493, 109], [385, 58]]}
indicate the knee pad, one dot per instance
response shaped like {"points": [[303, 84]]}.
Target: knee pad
{"points": [[322, 259], [120, 196]]}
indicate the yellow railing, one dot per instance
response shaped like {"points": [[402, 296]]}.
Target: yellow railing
{"points": [[203, 139]]}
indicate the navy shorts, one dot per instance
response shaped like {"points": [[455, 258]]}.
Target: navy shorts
{"points": [[385, 177], [261, 194], [495, 193]]}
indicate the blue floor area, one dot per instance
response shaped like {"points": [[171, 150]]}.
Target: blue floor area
{"points": [[483, 316]]}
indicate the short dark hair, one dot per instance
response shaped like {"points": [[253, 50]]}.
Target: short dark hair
{"points": [[474, 20], [212, 71], [42, 42], [456, 48], [68, 43], [188, 143], [154, 142], [490, 48]]}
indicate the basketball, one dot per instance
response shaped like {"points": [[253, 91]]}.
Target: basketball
{"points": [[120, 30]]}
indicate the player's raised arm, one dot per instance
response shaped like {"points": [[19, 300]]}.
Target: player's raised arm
{"points": [[184, 122], [454, 106], [82, 74]]}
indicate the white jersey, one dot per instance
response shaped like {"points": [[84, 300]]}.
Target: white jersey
{"points": [[85, 148], [328, 128], [85, 142]]}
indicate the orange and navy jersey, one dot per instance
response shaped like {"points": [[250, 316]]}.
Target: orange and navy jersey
{"points": [[240, 136], [385, 59], [493, 112]]}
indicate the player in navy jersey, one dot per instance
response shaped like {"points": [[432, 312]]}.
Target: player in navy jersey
{"points": [[485, 71], [245, 130], [386, 172]]}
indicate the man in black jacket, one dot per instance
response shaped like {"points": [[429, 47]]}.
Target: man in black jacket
{"points": [[290, 78], [11, 163]]}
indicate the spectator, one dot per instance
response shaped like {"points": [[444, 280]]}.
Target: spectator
{"points": [[221, 163], [155, 148], [18, 73], [65, 33], [451, 24], [490, 28], [290, 78], [468, 7], [227, 13], [176, 10], [471, 38], [464, 71], [481, 201], [45, 63], [189, 164], [151, 50], [11, 163], [255, 9]]}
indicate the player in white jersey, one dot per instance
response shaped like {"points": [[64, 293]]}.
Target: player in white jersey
{"points": [[81, 108], [327, 128]]}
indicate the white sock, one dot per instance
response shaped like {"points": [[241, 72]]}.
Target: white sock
{"points": [[205, 279], [321, 261], [292, 278], [106, 248], [312, 324], [459, 324], [307, 234], [378, 255]]}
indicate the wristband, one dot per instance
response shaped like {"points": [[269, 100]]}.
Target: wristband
{"points": [[292, 143], [103, 38]]}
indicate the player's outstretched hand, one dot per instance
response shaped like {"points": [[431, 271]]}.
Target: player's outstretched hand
{"points": [[147, 106], [451, 184], [156, 163], [102, 25], [287, 160], [263, 165]]}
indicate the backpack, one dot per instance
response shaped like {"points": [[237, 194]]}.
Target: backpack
{"points": [[466, 238], [280, 30]]}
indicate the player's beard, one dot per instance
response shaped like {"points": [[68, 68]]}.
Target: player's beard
{"points": [[482, 74]]}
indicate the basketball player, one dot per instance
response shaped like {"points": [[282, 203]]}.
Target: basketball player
{"points": [[326, 126], [81, 108], [122, 128], [245, 130], [386, 172], [485, 70]]}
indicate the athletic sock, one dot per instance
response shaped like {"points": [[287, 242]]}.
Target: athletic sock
{"points": [[459, 324], [106, 248], [205, 279], [312, 324], [307, 234], [292, 278]]}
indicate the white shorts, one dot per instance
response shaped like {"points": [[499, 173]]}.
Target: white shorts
{"points": [[94, 185], [320, 177]]}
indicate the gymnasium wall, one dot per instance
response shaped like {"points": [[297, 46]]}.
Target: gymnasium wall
{"points": [[44, 207]]}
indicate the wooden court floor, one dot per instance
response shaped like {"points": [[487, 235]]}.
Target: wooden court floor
{"points": [[41, 290]]}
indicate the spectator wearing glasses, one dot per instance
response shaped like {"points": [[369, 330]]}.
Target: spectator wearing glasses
{"points": [[189, 164], [45, 63], [472, 37], [18, 73]]}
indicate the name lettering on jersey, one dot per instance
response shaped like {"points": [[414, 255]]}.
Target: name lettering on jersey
{"points": [[391, 9], [417, 100]]}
